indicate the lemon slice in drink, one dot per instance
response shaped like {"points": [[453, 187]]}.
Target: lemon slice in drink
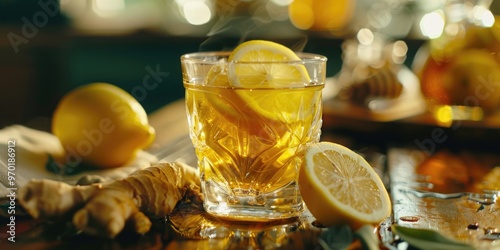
{"points": [[261, 64], [340, 187]]}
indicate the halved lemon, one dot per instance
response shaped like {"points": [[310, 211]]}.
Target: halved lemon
{"points": [[339, 187]]}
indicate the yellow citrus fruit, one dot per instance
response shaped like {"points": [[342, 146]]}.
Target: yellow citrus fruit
{"points": [[340, 187], [221, 99], [301, 14], [256, 64], [253, 68], [321, 14], [101, 124]]}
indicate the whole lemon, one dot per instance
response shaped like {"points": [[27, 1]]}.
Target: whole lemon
{"points": [[102, 125]]}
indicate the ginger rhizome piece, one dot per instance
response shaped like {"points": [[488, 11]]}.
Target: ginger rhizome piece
{"points": [[105, 209]]}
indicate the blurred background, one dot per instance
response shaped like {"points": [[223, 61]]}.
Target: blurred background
{"points": [[49, 47]]}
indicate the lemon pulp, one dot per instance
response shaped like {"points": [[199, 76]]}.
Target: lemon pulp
{"points": [[339, 186]]}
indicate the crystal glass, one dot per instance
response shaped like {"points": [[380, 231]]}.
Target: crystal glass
{"points": [[250, 140]]}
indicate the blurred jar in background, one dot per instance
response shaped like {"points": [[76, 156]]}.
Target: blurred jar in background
{"points": [[461, 75]]}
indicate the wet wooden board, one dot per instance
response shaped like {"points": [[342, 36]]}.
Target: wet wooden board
{"points": [[463, 219]]}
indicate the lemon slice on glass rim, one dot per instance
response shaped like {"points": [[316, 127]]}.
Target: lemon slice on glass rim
{"points": [[260, 66], [266, 64], [339, 187]]}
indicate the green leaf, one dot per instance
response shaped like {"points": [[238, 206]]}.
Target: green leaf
{"points": [[429, 239], [369, 240]]}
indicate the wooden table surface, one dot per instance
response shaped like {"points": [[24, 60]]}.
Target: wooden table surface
{"points": [[170, 123], [188, 227]]}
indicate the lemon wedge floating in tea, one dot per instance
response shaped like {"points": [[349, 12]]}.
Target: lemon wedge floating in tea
{"points": [[340, 187], [263, 65], [102, 125], [253, 66]]}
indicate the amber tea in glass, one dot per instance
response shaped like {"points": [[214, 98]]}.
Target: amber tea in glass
{"points": [[250, 140]]}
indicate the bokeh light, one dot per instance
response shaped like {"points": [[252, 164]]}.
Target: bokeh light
{"points": [[483, 16], [277, 10], [282, 2], [365, 36], [399, 52], [108, 7], [196, 12], [432, 24]]}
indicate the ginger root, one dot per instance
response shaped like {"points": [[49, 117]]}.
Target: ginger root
{"points": [[106, 209]]}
